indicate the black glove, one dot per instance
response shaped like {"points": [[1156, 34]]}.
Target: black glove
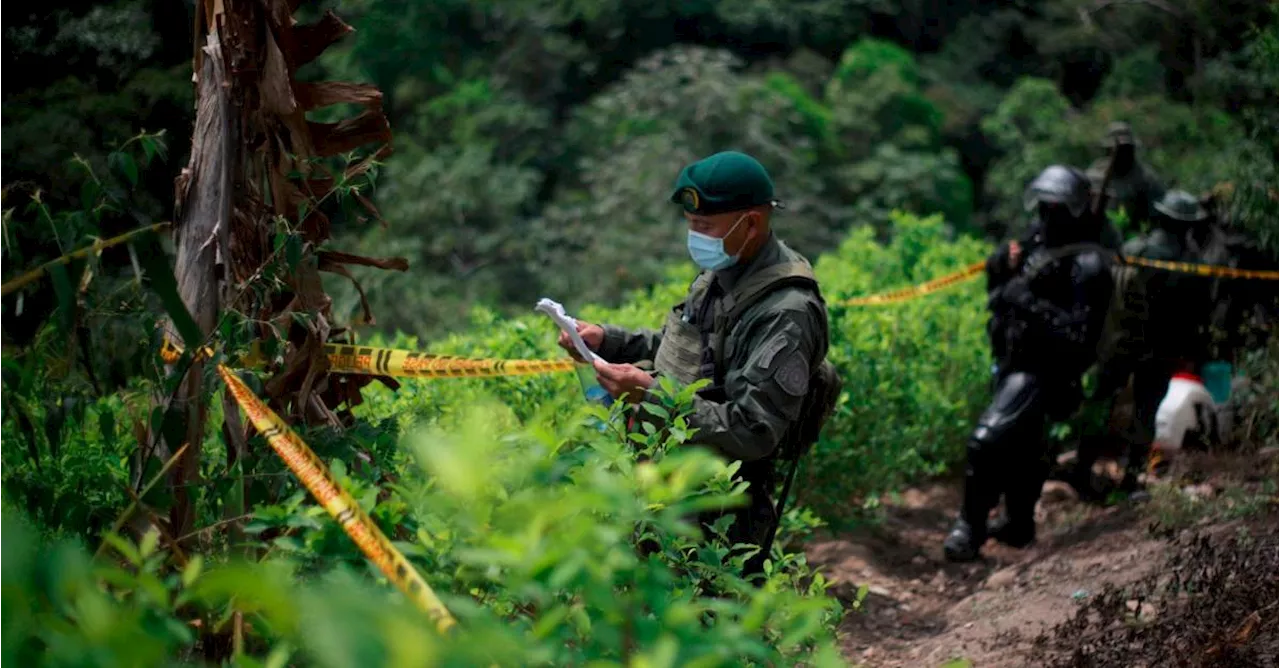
{"points": [[1017, 293]]}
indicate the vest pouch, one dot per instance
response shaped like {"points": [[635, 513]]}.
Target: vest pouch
{"points": [[714, 393], [679, 354]]}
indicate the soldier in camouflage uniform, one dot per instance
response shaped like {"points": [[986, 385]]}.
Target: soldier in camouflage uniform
{"points": [[1177, 315], [770, 350], [1133, 185]]}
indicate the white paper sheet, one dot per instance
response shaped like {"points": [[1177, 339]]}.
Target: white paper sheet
{"points": [[566, 323]]}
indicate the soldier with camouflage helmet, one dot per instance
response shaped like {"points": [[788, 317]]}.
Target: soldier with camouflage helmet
{"points": [[754, 323], [1177, 315], [1197, 238], [1133, 186]]}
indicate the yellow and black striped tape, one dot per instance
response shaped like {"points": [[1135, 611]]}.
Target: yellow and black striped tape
{"points": [[320, 482], [346, 358], [95, 247], [1204, 269], [975, 269], [912, 292], [411, 364], [171, 352]]}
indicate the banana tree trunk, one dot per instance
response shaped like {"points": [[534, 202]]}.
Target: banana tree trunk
{"points": [[204, 215], [256, 161]]}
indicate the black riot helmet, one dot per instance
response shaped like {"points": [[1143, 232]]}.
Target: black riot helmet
{"points": [[1060, 198]]}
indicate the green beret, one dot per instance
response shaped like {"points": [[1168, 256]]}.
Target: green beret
{"points": [[726, 181]]}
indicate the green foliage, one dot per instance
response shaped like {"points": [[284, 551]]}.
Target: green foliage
{"points": [[529, 532], [891, 135], [532, 133], [1251, 75], [1138, 74], [536, 143], [83, 76], [915, 372], [80, 359], [62, 609], [553, 541], [1035, 126], [869, 144]]}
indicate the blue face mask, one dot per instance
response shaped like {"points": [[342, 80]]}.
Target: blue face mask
{"points": [[708, 252]]}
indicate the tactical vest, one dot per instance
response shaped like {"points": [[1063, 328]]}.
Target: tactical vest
{"points": [[685, 335], [695, 346]]}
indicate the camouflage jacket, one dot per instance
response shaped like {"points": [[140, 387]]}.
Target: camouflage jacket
{"points": [[769, 354]]}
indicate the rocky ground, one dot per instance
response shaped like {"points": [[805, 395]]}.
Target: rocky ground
{"points": [[1094, 591]]}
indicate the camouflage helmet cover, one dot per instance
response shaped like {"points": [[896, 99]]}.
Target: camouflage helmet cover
{"points": [[1181, 205], [1059, 184]]}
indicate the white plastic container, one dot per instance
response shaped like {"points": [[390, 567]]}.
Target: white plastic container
{"points": [[1187, 410]]}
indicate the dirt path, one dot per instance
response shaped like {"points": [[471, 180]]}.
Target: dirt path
{"points": [[922, 611]]}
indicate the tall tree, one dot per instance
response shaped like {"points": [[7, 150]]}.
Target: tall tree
{"points": [[250, 221]]}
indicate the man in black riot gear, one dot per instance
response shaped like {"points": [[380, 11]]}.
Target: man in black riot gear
{"points": [[1048, 303]]}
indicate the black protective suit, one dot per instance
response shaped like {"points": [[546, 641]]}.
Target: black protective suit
{"points": [[1047, 314]]}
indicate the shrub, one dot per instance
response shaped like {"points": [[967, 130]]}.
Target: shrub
{"points": [[914, 372], [522, 508], [529, 534], [1191, 148]]}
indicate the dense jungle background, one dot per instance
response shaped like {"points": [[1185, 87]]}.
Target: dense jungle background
{"points": [[533, 144]]}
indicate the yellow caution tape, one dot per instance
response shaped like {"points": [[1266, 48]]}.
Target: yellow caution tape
{"points": [[1154, 459], [345, 358], [96, 247], [320, 482], [411, 364], [1204, 269], [171, 352], [973, 270], [908, 293]]}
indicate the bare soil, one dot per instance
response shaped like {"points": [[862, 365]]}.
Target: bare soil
{"points": [[1063, 601]]}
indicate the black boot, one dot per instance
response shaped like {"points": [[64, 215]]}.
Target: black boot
{"points": [[1017, 534], [964, 543], [1139, 452], [1017, 525], [1081, 476]]}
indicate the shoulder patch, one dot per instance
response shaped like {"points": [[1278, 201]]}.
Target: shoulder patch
{"points": [[793, 375], [770, 350]]}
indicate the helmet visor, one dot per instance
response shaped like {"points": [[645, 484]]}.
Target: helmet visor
{"points": [[1034, 197]]}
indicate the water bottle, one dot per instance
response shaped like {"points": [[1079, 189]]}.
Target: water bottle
{"points": [[592, 390]]}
